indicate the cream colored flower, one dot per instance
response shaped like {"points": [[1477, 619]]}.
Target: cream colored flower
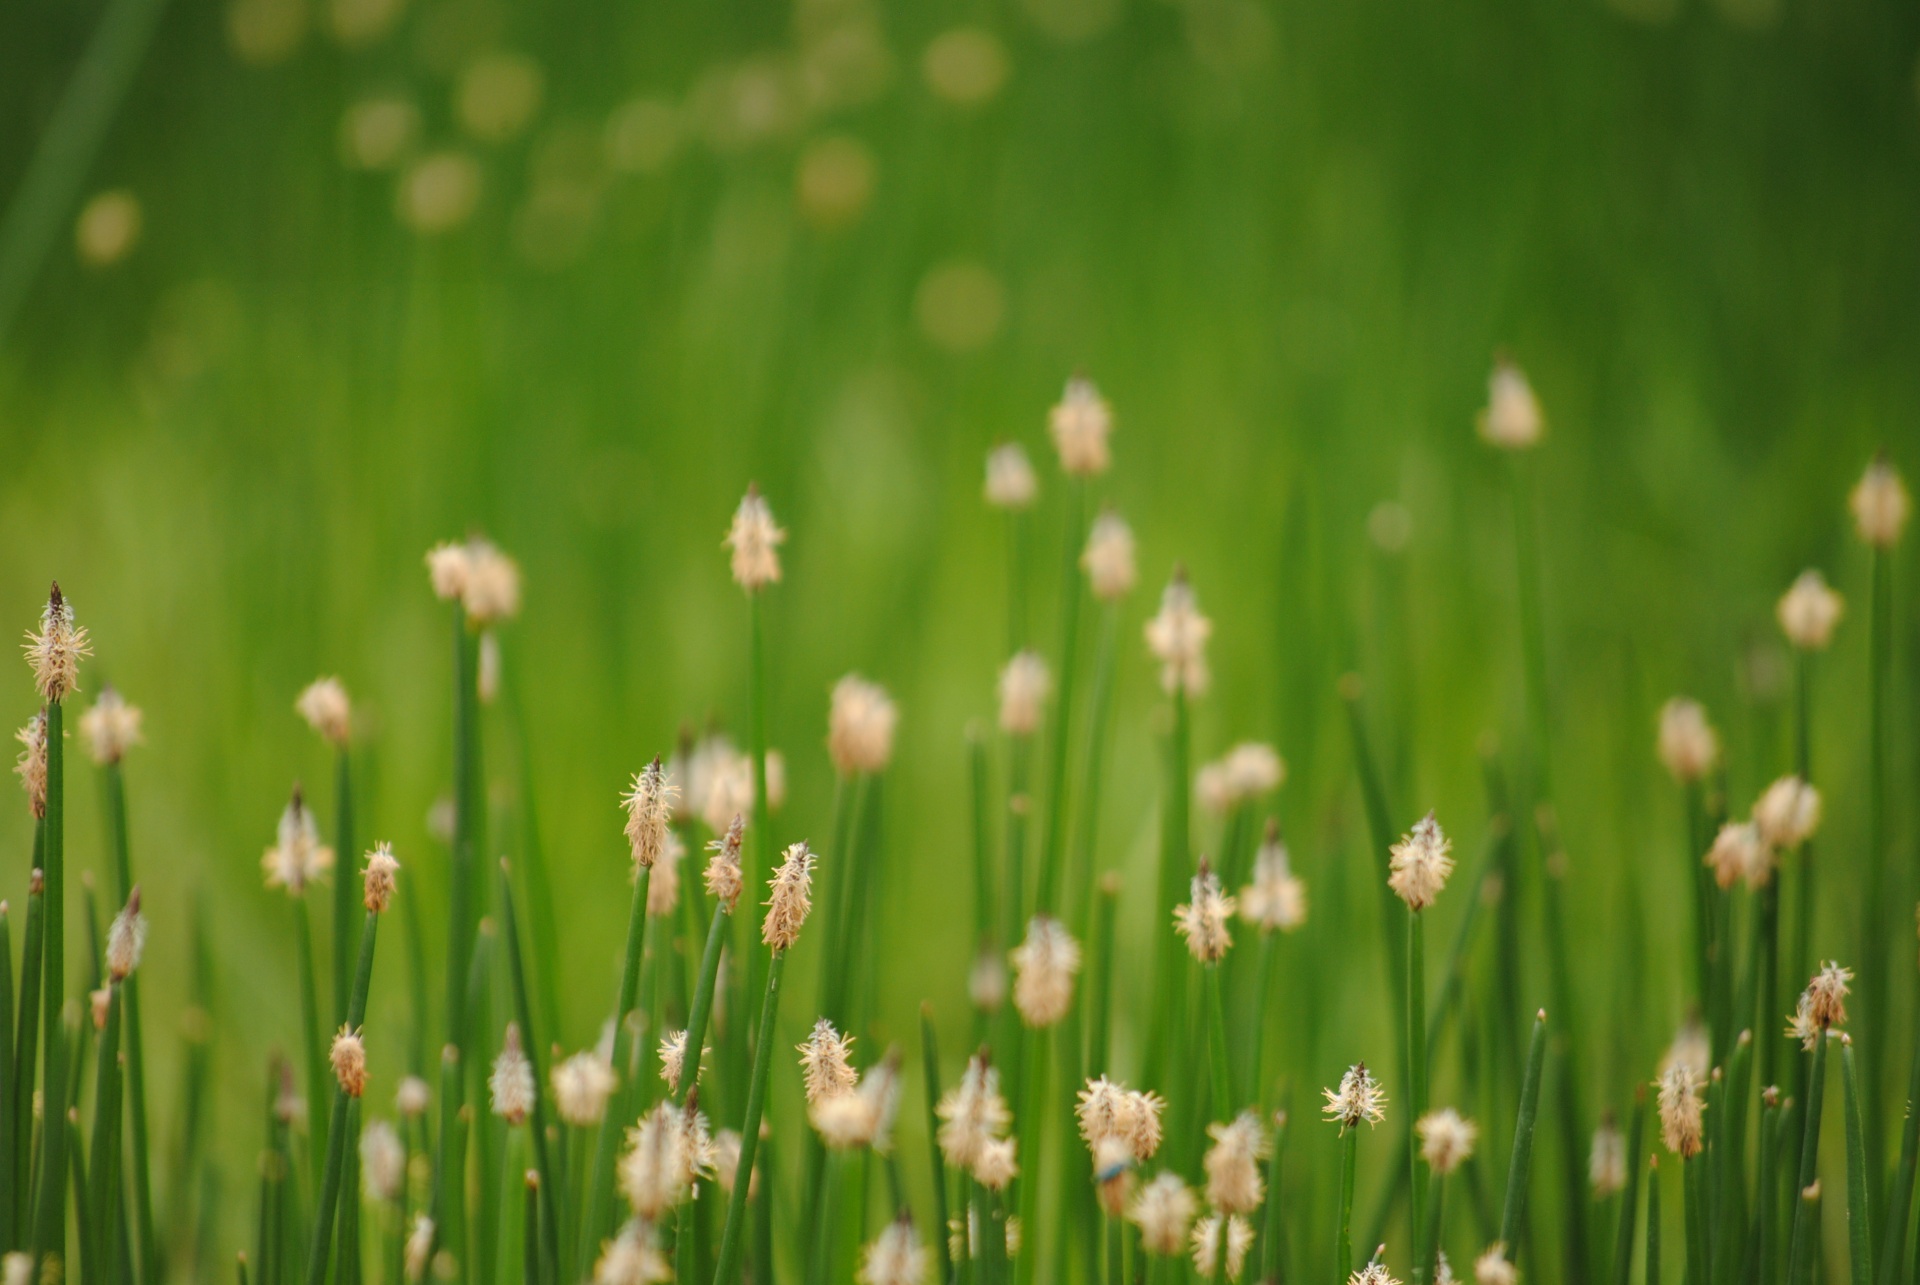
{"points": [[1494, 1267], [378, 882], [1204, 918], [860, 723], [1080, 423], [723, 876], [972, 1114], [323, 703], [827, 1060], [1788, 813], [1738, 853], [1107, 1110], [56, 650], [298, 857], [1011, 483], [1276, 900], [895, 1257], [110, 727], [1607, 1161], [663, 885], [349, 1058], [1043, 969], [1688, 744], [1808, 612], [1233, 1161], [1880, 504], [649, 805], [1358, 1098], [126, 939], [383, 1162], [1446, 1139], [1680, 1110], [32, 764], [792, 898], [1178, 638], [1108, 558], [582, 1086], [1206, 1245], [1512, 419], [512, 1084], [1163, 1209], [1420, 864], [1025, 685], [755, 542]]}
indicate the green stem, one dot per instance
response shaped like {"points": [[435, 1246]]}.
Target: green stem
{"points": [[1272, 1232], [1513, 1214], [449, 1186], [1533, 644], [1800, 1247], [132, 1040], [733, 1239], [50, 1223], [1653, 1221], [103, 1167], [343, 890], [310, 1030], [762, 864], [984, 905], [1036, 1079], [1900, 1203], [1100, 986], [599, 1220], [1701, 881], [340, 1126], [1343, 1243], [523, 1009], [1380, 829], [32, 955], [1175, 867], [702, 1010], [9, 1137], [1220, 1249], [1859, 1237], [1070, 594], [1416, 1042], [824, 1227], [1693, 1193], [349, 1216], [930, 1066], [1086, 829], [1219, 1063]]}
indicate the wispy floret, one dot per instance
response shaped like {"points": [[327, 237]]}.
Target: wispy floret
{"points": [[1739, 853], [987, 981], [32, 764], [726, 1162], [649, 805], [663, 885], [1177, 637], [1025, 685], [755, 542], [862, 1116], [1420, 864], [1206, 1245], [1163, 1209], [16, 1268], [1276, 900], [1826, 995], [792, 898], [666, 1151], [1043, 969], [1113, 1177], [860, 723], [1689, 747], [997, 1164], [1788, 813], [1203, 919], [1808, 612], [110, 727], [1109, 1110], [1512, 419], [377, 883], [827, 1061], [1358, 1098], [673, 1058], [1233, 1161], [1607, 1161], [1494, 1267], [1374, 1273], [1010, 480], [419, 1246], [412, 1098], [126, 939], [972, 1114], [1880, 504], [447, 564], [297, 857], [1080, 423], [895, 1257], [484, 580], [56, 649], [1108, 558], [1681, 1107], [582, 1084], [349, 1058], [323, 703], [1446, 1139], [383, 1162], [511, 1083], [723, 877], [633, 1257], [1691, 1046]]}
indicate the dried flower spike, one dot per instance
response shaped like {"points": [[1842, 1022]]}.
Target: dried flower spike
{"points": [[1233, 1161], [298, 857], [1203, 919], [1681, 1108], [1011, 484], [1739, 853], [723, 877], [1206, 1245], [826, 1059], [383, 1162], [1446, 1139], [755, 542], [860, 723], [972, 1114], [1358, 1098], [1607, 1162], [1107, 1110], [323, 703], [1024, 687], [1420, 864], [649, 805], [1689, 747], [663, 886], [56, 650], [1043, 969], [511, 1083], [1163, 1209], [110, 727], [1880, 504], [1494, 1267], [1177, 637], [792, 898], [377, 883], [1276, 900], [349, 1058], [1808, 612], [1826, 995], [1080, 423], [1788, 813], [582, 1084], [126, 939], [32, 765], [1512, 419], [1108, 558], [896, 1257]]}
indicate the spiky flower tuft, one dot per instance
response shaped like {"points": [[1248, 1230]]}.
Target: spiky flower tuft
{"points": [[972, 1114], [323, 703], [1108, 558], [379, 879], [349, 1058], [1681, 1108], [1276, 900], [860, 723], [1607, 1161], [1163, 1209], [1043, 969], [666, 1152], [1177, 637], [1880, 504], [1025, 685], [1374, 1273], [1203, 919], [755, 543], [126, 939], [1206, 1245], [1788, 813], [484, 580], [1689, 747], [413, 1097], [297, 857], [1080, 423], [1494, 1267], [1808, 612], [582, 1085], [1011, 483], [895, 1257], [1738, 853], [792, 898], [723, 876], [110, 727], [827, 1061], [1107, 1110], [512, 1084], [1358, 1098], [32, 764], [663, 885], [1446, 1139], [56, 649], [1233, 1164], [383, 1162], [1420, 864], [1512, 418], [633, 1257], [649, 805]]}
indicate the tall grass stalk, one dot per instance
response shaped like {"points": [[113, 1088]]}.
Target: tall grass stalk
{"points": [[599, 1210], [1800, 1252], [733, 1239], [1380, 829], [1653, 1221], [1169, 989], [1416, 1041], [1343, 1238], [103, 1168], [1900, 1200], [1875, 929], [461, 919], [113, 780], [26, 1046], [762, 863], [1859, 1195], [1086, 827], [9, 1133], [1272, 1230], [1623, 1240], [549, 1186], [930, 1070], [1520, 1168], [50, 1221], [1058, 801], [344, 944]]}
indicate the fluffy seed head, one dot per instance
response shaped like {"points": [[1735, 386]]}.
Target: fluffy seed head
{"points": [[860, 724], [383, 1162], [377, 882], [1692, 1046], [1374, 1273], [349, 1058], [512, 1084], [987, 981], [485, 580], [1113, 1179], [755, 542], [723, 876], [1607, 1162], [1010, 480], [858, 1117], [1043, 969], [666, 1152], [1358, 1098], [1025, 685], [1420, 864], [1825, 998], [56, 649], [1108, 558], [413, 1097], [1080, 423], [1512, 419], [32, 765], [895, 1257], [1204, 918], [1233, 1164], [1880, 504], [792, 898], [1788, 813], [419, 1246], [100, 1005], [110, 727], [1738, 853], [297, 857], [1681, 1108], [1163, 1209], [673, 1059], [726, 1162], [126, 938], [1107, 1110], [1808, 612], [1446, 1139], [633, 1257], [649, 804], [16, 1268], [972, 1113], [1494, 1267], [582, 1084], [827, 1063], [323, 703], [1177, 637], [997, 1164], [1206, 1245], [1689, 747], [1276, 900]]}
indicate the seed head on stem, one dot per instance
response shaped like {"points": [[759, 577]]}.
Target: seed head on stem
{"points": [[826, 1059], [1420, 864], [860, 1116], [582, 1084], [1203, 919], [1163, 1209], [1607, 1161], [56, 649], [1808, 612], [297, 857], [1512, 418], [755, 543], [419, 1246], [126, 939], [377, 883], [1025, 685], [110, 727], [1043, 969], [1233, 1161], [1107, 1110], [485, 581], [413, 1097], [997, 1165], [1689, 747], [792, 899], [666, 1151], [1681, 1108], [860, 723], [323, 703], [1822, 1006], [1113, 1165], [663, 886], [16, 1269], [972, 1114], [1788, 813], [1011, 483], [1358, 1098], [673, 1059], [383, 1161], [32, 765], [1276, 900], [1446, 1139], [895, 1257], [349, 1058], [1177, 637], [1738, 853], [1494, 1267], [511, 1083], [723, 877], [649, 805], [1080, 424], [1205, 1240], [633, 1257], [1880, 504], [1108, 558]]}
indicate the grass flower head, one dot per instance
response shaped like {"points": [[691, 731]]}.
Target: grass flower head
{"points": [[1203, 919], [1205, 1239], [110, 727], [860, 723], [1025, 685], [1233, 1161], [791, 899], [755, 543], [56, 649], [1163, 1210], [1080, 423], [1011, 483], [1788, 813], [1689, 747], [649, 805], [1446, 1139], [1177, 637], [1681, 1109], [512, 1085], [1420, 864], [323, 703], [1512, 419], [1358, 1098], [1880, 504], [297, 858], [1276, 900], [1043, 969], [126, 939], [1108, 558], [1808, 612]]}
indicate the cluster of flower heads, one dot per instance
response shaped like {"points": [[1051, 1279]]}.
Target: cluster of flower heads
{"points": [[1785, 816], [482, 579], [973, 1126], [1043, 970], [1242, 775], [846, 1108]]}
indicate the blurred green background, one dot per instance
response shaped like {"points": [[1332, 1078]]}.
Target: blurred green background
{"points": [[347, 277]]}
